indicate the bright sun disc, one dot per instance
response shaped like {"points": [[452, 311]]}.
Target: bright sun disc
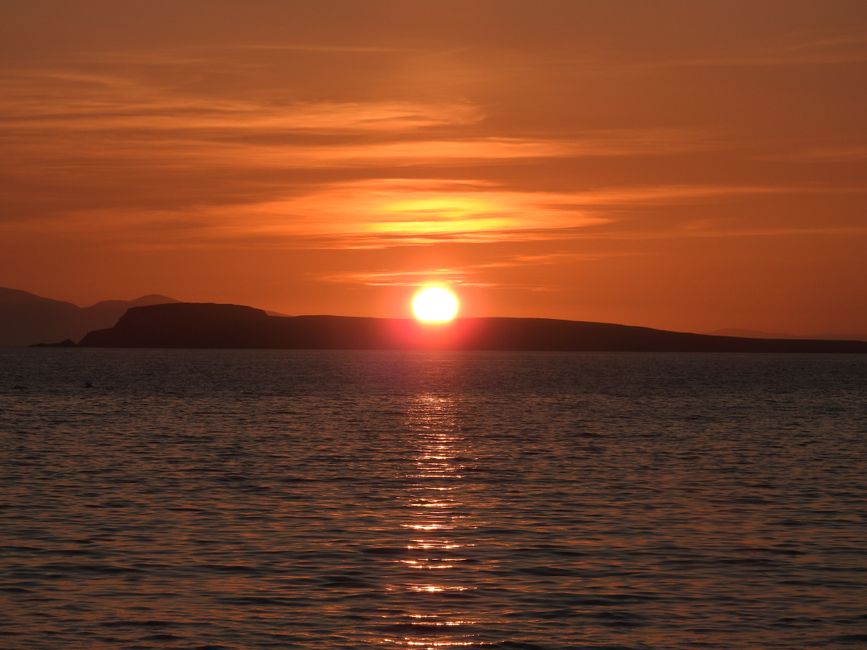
{"points": [[435, 305]]}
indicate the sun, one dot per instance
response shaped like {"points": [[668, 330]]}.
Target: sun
{"points": [[435, 304]]}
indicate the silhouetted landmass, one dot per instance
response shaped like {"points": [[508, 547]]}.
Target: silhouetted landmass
{"points": [[198, 325], [758, 334], [28, 319]]}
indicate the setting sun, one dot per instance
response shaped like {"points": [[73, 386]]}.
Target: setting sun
{"points": [[435, 304]]}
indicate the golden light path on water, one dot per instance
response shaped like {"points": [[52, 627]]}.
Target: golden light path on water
{"points": [[438, 526]]}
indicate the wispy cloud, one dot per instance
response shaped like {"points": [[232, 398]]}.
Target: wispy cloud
{"points": [[399, 212], [797, 50], [40, 100], [828, 154], [389, 212], [481, 274], [73, 119], [89, 129]]}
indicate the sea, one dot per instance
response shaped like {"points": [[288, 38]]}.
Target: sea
{"points": [[234, 499]]}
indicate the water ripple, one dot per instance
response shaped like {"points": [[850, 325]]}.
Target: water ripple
{"points": [[256, 499]]}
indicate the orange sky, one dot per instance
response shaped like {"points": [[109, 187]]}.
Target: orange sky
{"points": [[687, 165]]}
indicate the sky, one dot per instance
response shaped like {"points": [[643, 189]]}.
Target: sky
{"points": [[686, 165]]}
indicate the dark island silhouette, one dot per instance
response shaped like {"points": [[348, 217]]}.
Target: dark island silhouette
{"points": [[207, 325]]}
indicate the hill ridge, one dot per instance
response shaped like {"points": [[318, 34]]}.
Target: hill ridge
{"points": [[215, 325]]}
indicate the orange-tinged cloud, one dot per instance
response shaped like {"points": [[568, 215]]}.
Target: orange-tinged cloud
{"points": [[40, 99], [388, 212], [475, 274], [71, 120], [384, 212]]}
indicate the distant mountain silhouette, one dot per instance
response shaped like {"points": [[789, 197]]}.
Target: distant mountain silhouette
{"points": [[206, 325], [26, 318]]}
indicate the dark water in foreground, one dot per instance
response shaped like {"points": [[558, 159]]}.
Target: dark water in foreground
{"points": [[229, 499]]}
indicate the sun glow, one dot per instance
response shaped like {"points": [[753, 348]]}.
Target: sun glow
{"points": [[435, 304]]}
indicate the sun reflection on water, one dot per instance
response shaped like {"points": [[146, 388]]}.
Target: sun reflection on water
{"points": [[434, 503]]}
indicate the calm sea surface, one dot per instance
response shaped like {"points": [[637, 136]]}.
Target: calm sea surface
{"points": [[277, 499]]}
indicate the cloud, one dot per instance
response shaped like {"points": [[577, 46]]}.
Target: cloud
{"points": [[117, 149], [830, 50], [827, 154], [384, 213], [79, 125], [374, 213], [165, 166], [418, 211], [466, 275], [46, 100]]}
